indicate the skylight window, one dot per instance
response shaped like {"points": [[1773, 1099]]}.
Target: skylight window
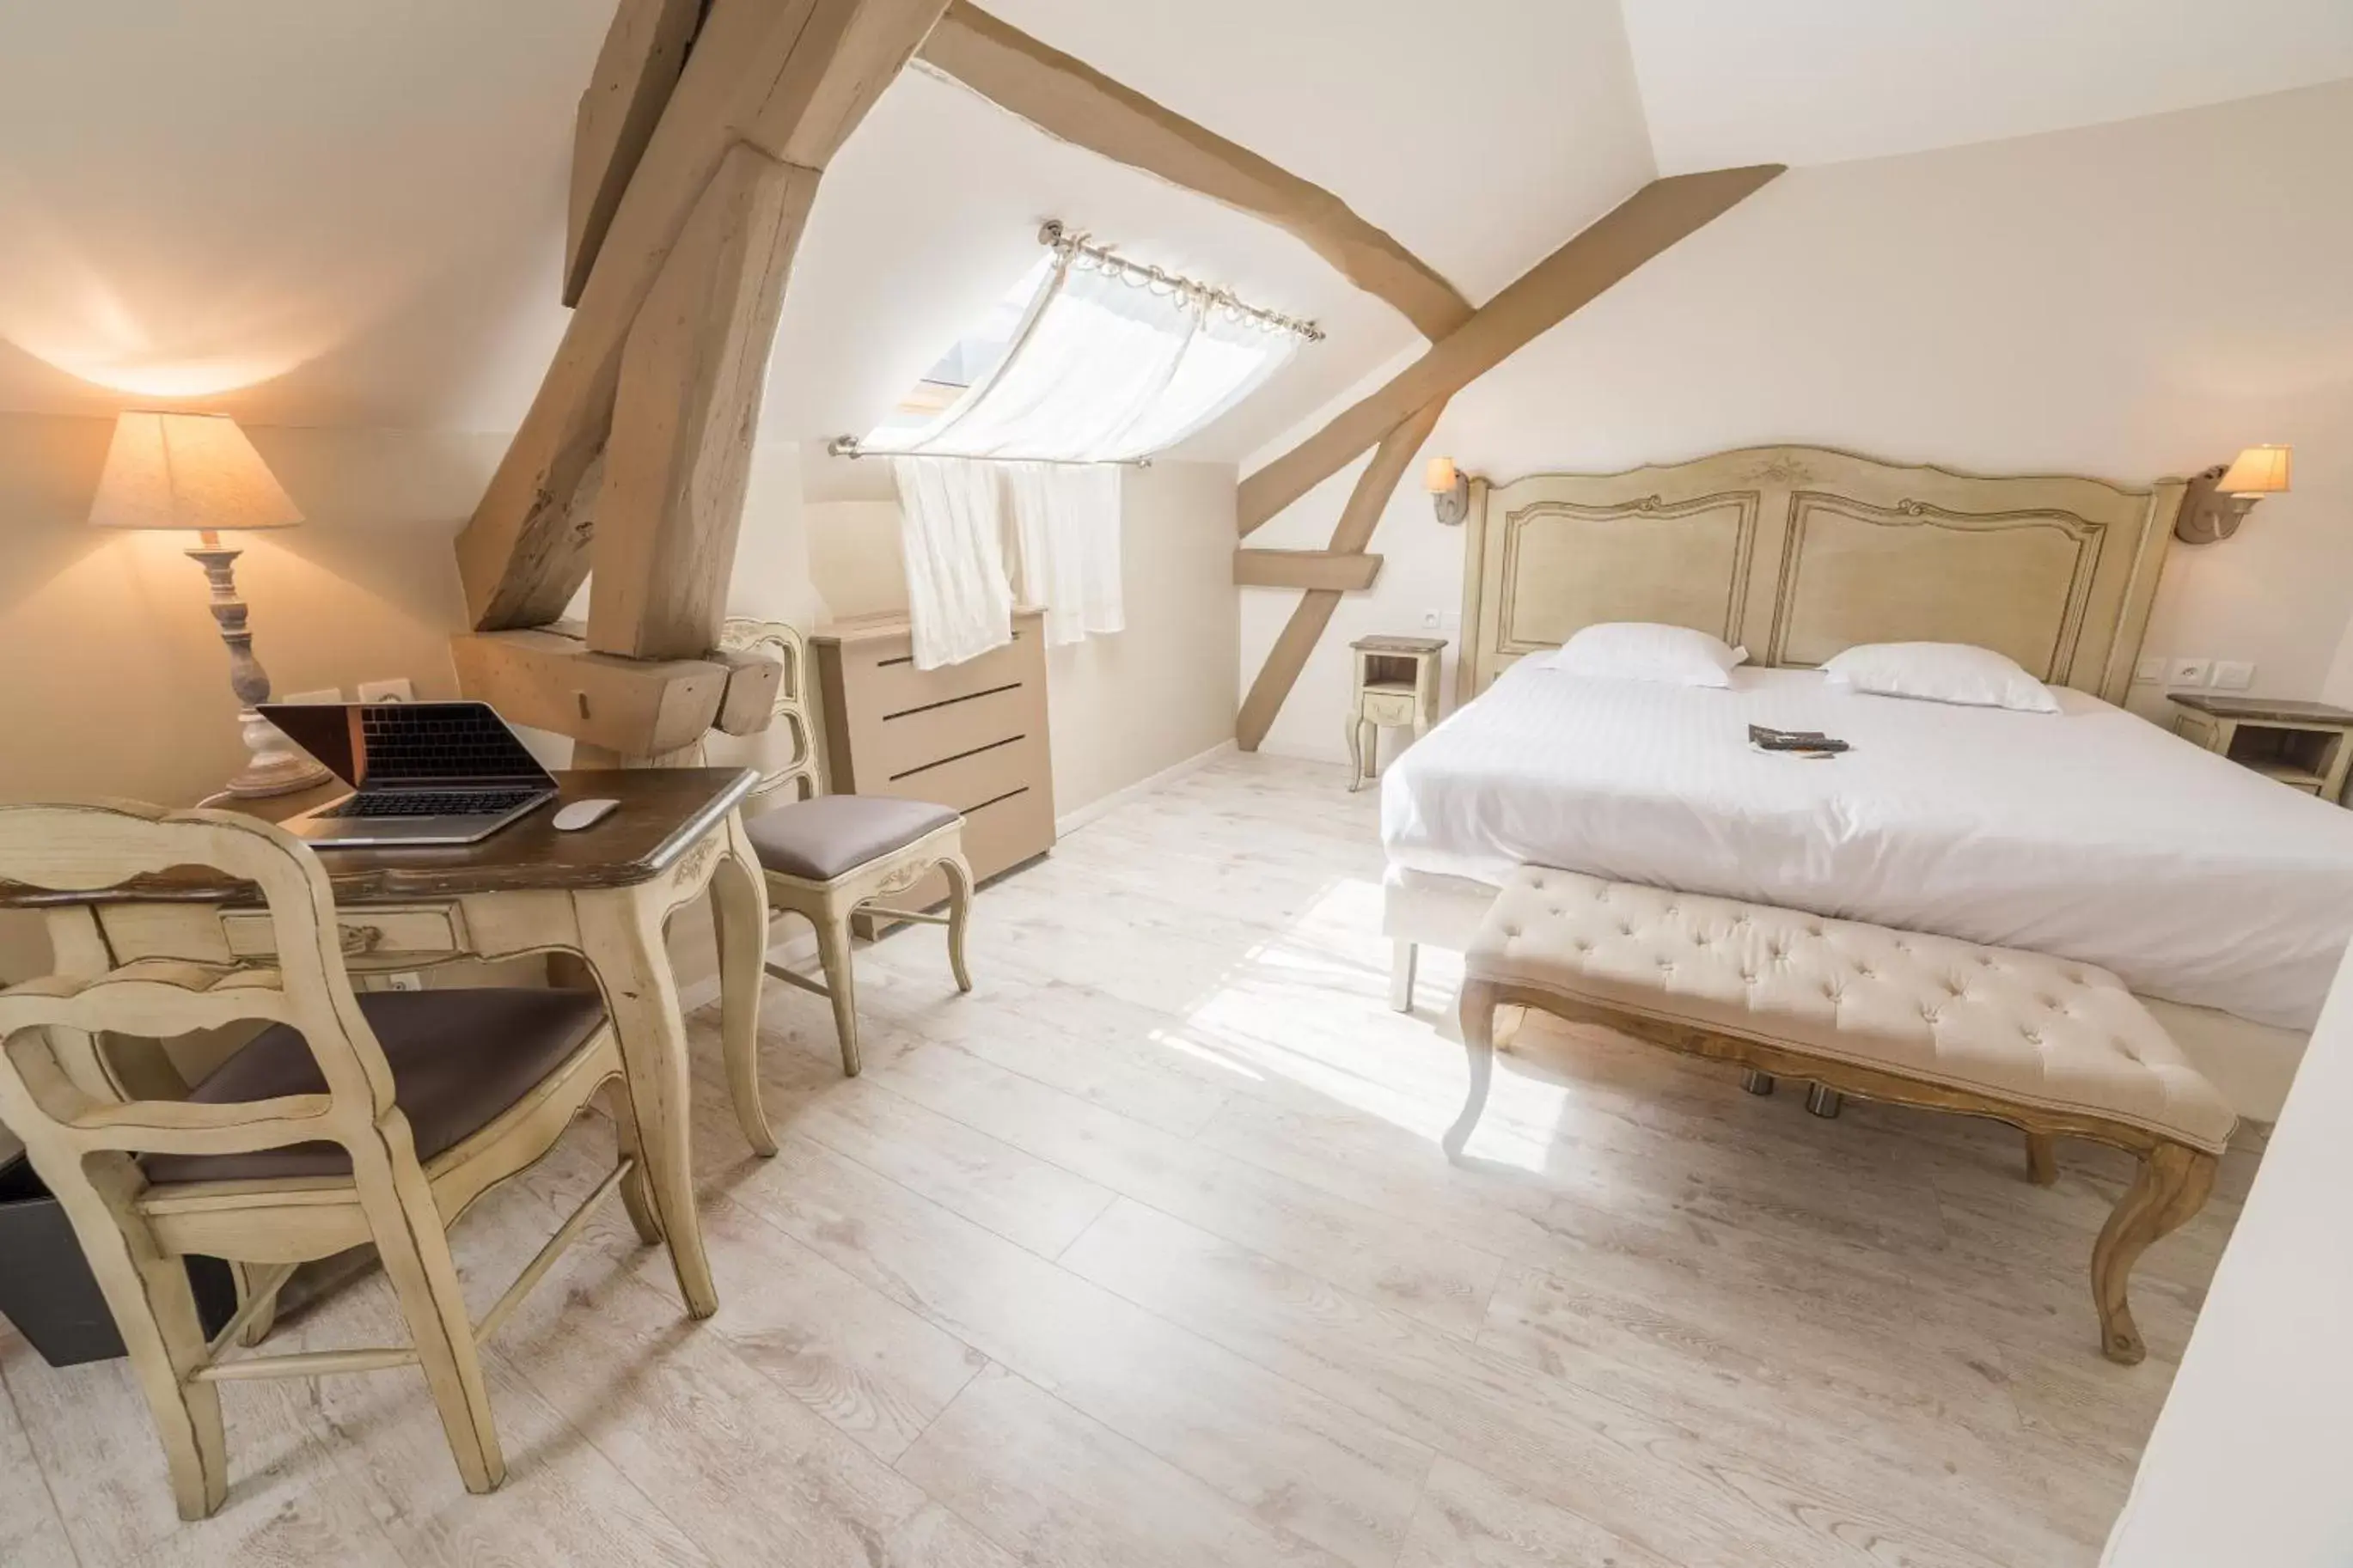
{"points": [[1091, 357]]}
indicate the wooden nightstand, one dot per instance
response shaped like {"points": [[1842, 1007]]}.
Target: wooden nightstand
{"points": [[2304, 745], [1397, 688]]}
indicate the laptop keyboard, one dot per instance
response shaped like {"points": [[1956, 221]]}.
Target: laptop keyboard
{"points": [[432, 803]]}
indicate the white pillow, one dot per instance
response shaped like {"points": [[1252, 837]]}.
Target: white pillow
{"points": [[1645, 651], [1941, 673]]}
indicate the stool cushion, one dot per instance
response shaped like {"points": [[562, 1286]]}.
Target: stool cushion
{"points": [[820, 839], [2045, 1033], [459, 1059]]}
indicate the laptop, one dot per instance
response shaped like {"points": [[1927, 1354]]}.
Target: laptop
{"points": [[421, 772]]}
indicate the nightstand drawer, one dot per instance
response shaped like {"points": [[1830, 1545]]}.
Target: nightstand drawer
{"points": [[1387, 708], [415, 931]]}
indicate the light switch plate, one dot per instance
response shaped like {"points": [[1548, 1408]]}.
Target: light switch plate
{"points": [[2186, 672], [2233, 675], [2151, 668], [396, 689]]}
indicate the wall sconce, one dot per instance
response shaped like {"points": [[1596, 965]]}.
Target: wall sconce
{"points": [[1449, 491], [2220, 498]]}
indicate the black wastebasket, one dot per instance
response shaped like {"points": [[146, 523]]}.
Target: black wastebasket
{"points": [[45, 1287]]}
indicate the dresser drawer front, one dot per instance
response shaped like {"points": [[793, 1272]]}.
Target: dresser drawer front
{"points": [[1389, 707], [409, 931]]}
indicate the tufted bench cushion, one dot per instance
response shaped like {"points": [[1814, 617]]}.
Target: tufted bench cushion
{"points": [[2039, 1032]]}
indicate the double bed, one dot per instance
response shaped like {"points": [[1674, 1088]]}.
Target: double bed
{"points": [[2223, 898]]}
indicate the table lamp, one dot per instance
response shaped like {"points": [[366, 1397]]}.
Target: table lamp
{"points": [[198, 472]]}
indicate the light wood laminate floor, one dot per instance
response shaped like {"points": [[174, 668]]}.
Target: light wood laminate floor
{"points": [[1144, 1254]]}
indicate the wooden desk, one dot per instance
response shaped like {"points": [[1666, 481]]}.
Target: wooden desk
{"points": [[602, 894]]}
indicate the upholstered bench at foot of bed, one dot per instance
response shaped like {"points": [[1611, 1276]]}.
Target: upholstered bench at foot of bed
{"points": [[2049, 1046]]}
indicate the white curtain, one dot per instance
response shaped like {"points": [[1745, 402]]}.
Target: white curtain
{"points": [[1102, 369], [952, 529], [1067, 520]]}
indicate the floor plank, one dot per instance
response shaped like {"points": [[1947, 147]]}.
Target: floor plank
{"points": [[31, 1533], [1470, 1519], [1063, 1492]]}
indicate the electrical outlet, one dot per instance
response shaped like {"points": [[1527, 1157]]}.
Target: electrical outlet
{"points": [[2151, 668], [325, 694], [1429, 620], [406, 979], [2233, 675], [2186, 672], [396, 689]]}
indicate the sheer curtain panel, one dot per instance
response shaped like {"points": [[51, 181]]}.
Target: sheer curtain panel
{"points": [[1107, 367]]}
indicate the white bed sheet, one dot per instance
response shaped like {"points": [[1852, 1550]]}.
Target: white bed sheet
{"points": [[2090, 833]]}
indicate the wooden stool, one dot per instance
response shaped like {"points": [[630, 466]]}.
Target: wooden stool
{"points": [[828, 859], [1397, 688]]}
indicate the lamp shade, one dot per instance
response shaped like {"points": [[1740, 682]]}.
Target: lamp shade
{"points": [[184, 471], [2259, 471], [1439, 476]]}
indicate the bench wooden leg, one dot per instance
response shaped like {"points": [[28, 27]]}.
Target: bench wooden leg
{"points": [[2042, 1158], [1401, 966], [1478, 1016], [2170, 1185]]}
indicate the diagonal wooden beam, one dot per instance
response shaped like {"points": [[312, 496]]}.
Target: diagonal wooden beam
{"points": [[1639, 228], [791, 77], [687, 411], [1068, 99], [1358, 518], [644, 51]]}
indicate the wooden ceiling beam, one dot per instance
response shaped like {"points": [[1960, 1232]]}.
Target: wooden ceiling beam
{"points": [[1340, 572], [687, 412], [792, 78], [1070, 100], [1358, 518], [644, 51], [1630, 234], [548, 677]]}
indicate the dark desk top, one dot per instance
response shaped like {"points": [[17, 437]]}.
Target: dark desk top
{"points": [[2276, 709], [662, 810]]}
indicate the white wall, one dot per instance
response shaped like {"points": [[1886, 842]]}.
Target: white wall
{"points": [[2249, 1462], [2128, 300]]}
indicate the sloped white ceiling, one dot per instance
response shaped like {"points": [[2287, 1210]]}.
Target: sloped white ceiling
{"points": [[339, 212], [1819, 81], [351, 212]]}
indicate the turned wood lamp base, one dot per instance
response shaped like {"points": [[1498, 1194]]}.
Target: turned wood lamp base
{"points": [[274, 765]]}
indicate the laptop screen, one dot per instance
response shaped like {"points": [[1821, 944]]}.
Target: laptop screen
{"points": [[377, 746]]}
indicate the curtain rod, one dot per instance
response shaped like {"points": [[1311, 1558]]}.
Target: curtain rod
{"points": [[1066, 244], [851, 446]]}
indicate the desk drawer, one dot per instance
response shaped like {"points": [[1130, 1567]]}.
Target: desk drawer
{"points": [[408, 931]]}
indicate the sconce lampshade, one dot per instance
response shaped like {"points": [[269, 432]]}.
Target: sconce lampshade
{"points": [[1439, 476], [2259, 471], [187, 471]]}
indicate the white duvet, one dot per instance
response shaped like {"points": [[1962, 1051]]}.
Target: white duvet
{"points": [[2089, 834]]}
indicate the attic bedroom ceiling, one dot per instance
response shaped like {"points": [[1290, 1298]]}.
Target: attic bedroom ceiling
{"points": [[349, 214]]}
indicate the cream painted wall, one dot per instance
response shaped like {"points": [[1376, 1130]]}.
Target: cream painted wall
{"points": [[1122, 707], [2128, 300], [2247, 1463]]}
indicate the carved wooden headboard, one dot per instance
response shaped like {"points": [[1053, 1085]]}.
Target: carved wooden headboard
{"points": [[1801, 552]]}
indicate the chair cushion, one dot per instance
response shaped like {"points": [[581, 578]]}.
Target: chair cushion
{"points": [[2046, 1033], [460, 1058], [822, 838]]}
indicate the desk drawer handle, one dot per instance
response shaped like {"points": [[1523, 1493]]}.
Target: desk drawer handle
{"points": [[359, 940]]}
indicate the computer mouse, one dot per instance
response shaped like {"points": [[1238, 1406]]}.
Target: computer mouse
{"points": [[583, 814]]}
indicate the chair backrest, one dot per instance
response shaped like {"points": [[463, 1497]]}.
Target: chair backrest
{"points": [[790, 716], [63, 1111]]}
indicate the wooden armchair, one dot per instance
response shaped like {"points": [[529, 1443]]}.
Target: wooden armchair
{"points": [[829, 858], [349, 1119]]}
